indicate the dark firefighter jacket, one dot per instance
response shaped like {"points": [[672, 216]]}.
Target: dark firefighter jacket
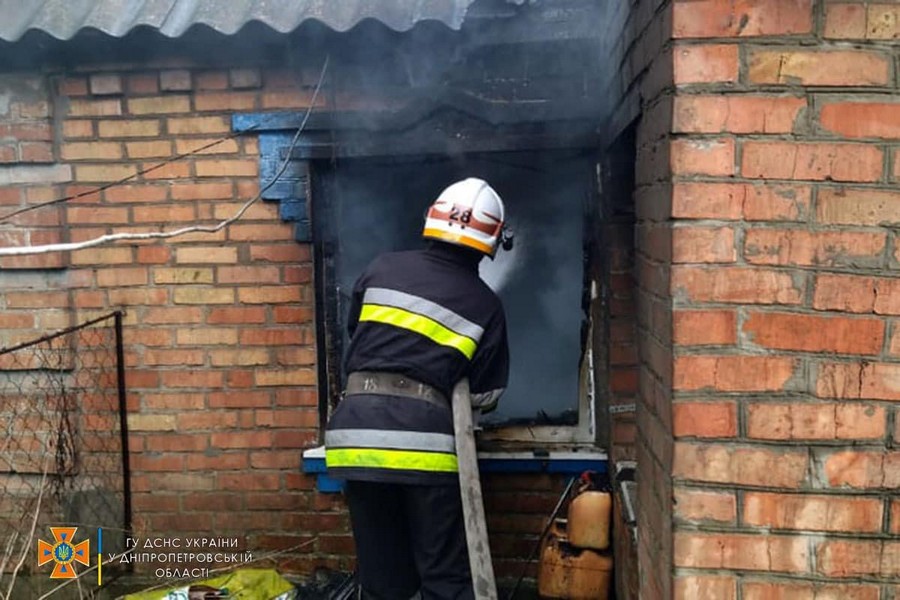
{"points": [[426, 315]]}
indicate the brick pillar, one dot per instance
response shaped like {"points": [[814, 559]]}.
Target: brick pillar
{"points": [[784, 291]]}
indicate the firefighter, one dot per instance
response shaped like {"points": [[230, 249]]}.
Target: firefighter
{"points": [[419, 322]]}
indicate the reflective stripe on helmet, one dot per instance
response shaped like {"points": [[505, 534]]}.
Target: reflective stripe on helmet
{"points": [[432, 231], [397, 440], [439, 334], [377, 458], [422, 306]]}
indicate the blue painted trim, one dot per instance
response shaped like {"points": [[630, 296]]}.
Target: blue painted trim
{"points": [[291, 189]]}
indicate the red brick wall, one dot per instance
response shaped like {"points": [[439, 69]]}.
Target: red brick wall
{"points": [[783, 168], [219, 340], [219, 332]]}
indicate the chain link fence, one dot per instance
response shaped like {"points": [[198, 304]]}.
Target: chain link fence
{"points": [[63, 449]]}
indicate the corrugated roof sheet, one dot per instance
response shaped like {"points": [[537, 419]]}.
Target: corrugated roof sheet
{"points": [[64, 18]]}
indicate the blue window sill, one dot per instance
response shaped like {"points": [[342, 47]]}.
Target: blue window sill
{"points": [[563, 462]]}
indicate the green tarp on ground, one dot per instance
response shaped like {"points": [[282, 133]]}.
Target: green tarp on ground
{"points": [[242, 584]]}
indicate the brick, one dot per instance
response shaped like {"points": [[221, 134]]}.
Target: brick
{"points": [[293, 314], [703, 157], [102, 256], [705, 587], [859, 469], [245, 78], [96, 214], [39, 131], [773, 202], [73, 86], [249, 274], [895, 516], [704, 327], [716, 463], [103, 173], [142, 83], [741, 18], [849, 558], [859, 380], [159, 105], [226, 146], [104, 84], [91, 151], [211, 80], [153, 149], [192, 379], [736, 114], [206, 336], [883, 22], [225, 101], [241, 439], [263, 377], [271, 337], [704, 419], [201, 295], [95, 108], [37, 299], [861, 119], [44, 174], [703, 245], [129, 129], [236, 315], [813, 333], [36, 152], [198, 125], [171, 316], [182, 275], [269, 295], [206, 254], [806, 421], [175, 80], [850, 206], [77, 129], [228, 461], [226, 168], [807, 590], [242, 357], [174, 357], [138, 297], [845, 21], [151, 422], [740, 551], [812, 513], [858, 294], [156, 170], [121, 277], [202, 191], [819, 67], [135, 193], [163, 214], [812, 161], [240, 399], [704, 506], [820, 248], [743, 285]]}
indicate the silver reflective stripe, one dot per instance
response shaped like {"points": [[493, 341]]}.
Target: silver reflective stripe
{"points": [[379, 438], [445, 317]]}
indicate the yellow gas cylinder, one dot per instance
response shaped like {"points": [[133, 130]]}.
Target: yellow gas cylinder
{"points": [[573, 573], [589, 519]]}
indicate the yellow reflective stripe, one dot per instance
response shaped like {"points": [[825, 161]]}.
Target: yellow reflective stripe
{"points": [[390, 459], [420, 324]]}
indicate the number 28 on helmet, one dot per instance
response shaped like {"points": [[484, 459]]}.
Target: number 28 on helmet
{"points": [[469, 213]]}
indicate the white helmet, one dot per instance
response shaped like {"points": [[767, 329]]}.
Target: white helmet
{"points": [[468, 213]]}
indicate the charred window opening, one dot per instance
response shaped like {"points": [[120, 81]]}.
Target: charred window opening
{"points": [[367, 206]]}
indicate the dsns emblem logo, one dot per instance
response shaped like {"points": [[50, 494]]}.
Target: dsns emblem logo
{"points": [[64, 552]]}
